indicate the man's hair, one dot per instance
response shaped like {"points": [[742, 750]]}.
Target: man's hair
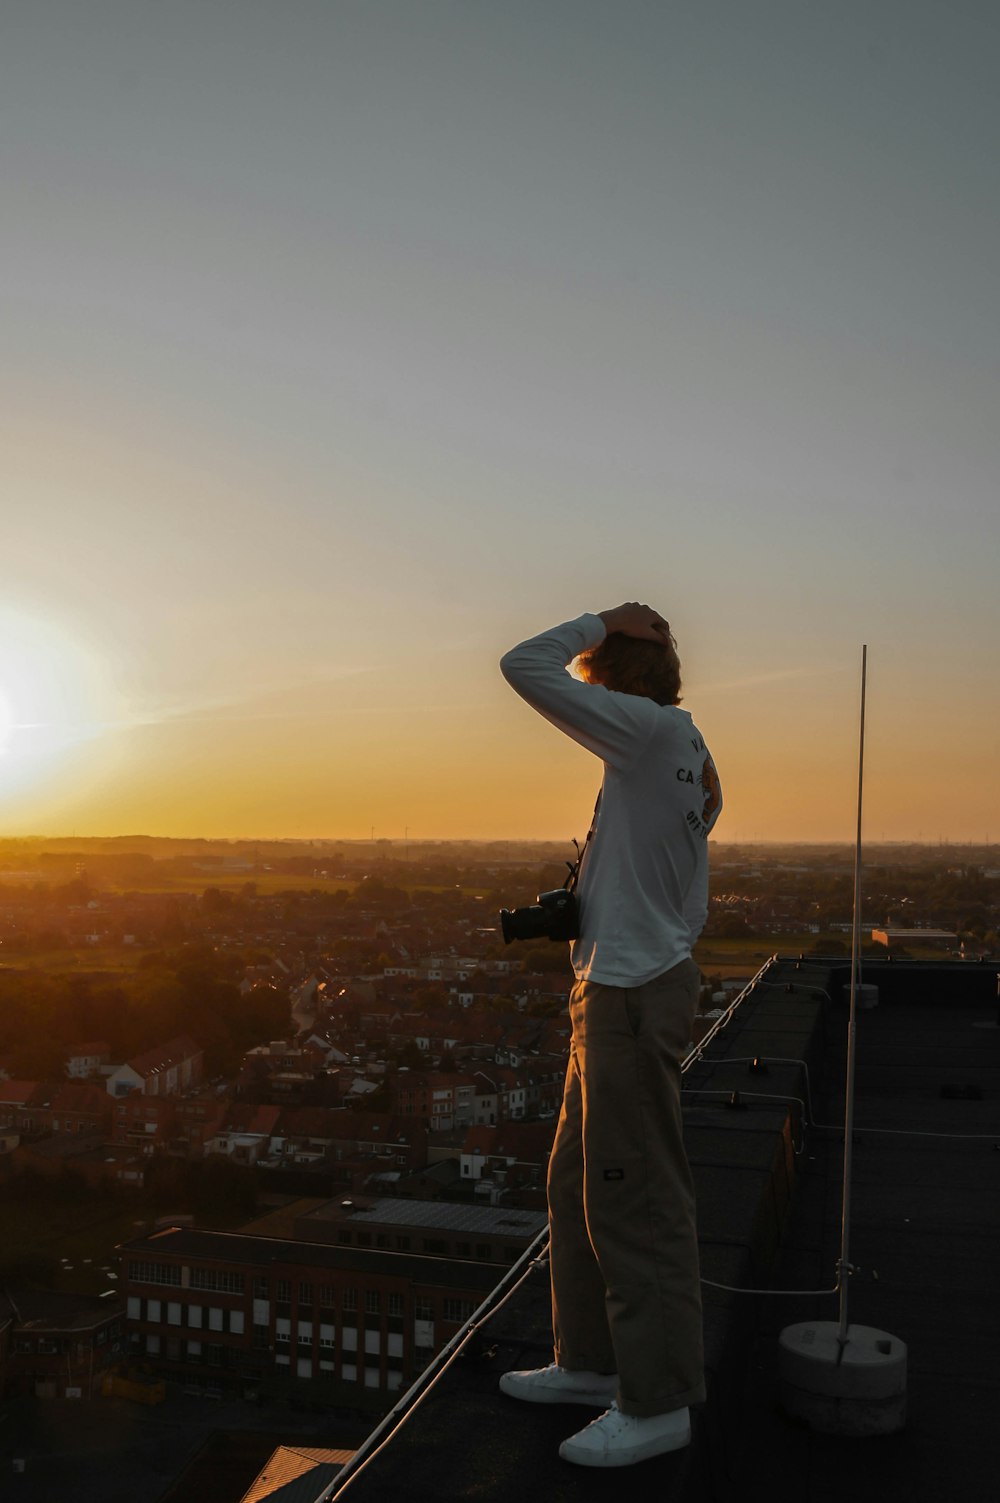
{"points": [[631, 665]]}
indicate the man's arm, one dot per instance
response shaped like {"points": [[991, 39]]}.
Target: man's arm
{"points": [[615, 727]]}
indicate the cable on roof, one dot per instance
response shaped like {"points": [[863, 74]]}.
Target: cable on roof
{"points": [[911, 1132], [809, 1119], [798, 986], [770, 1059], [736, 1289], [755, 1096]]}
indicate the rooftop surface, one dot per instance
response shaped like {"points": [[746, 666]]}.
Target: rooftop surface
{"points": [[443, 1215], [263, 1251]]}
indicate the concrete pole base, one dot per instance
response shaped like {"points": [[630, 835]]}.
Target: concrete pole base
{"points": [[858, 1391]]}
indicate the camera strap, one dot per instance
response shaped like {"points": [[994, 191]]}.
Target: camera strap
{"points": [[581, 850]]}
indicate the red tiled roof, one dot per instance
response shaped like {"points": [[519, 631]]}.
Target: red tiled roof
{"points": [[252, 1119], [81, 1096], [288, 1463], [164, 1055], [18, 1092]]}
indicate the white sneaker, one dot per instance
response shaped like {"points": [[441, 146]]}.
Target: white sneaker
{"points": [[616, 1439], [557, 1385]]}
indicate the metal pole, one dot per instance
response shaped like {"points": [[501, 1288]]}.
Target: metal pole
{"points": [[845, 1221]]}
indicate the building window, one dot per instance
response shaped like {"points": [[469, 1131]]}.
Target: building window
{"points": [[261, 1288], [305, 1294], [423, 1308], [402, 1244], [457, 1309], [141, 1272], [260, 1339], [284, 1290], [217, 1279], [153, 1309], [395, 1304], [194, 1317], [349, 1300], [373, 1302], [327, 1295], [236, 1322]]}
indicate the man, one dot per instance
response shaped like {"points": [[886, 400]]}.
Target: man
{"points": [[626, 1298]]}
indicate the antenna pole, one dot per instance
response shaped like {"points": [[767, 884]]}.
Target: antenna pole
{"points": [[844, 1265], [841, 1384]]}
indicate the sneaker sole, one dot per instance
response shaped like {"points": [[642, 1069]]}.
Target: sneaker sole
{"points": [[583, 1456]]}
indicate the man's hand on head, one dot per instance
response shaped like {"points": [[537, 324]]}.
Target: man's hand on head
{"points": [[635, 620]]}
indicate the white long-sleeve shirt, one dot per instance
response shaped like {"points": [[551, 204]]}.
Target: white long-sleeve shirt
{"points": [[643, 887]]}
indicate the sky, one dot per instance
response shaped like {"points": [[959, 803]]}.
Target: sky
{"points": [[346, 343]]}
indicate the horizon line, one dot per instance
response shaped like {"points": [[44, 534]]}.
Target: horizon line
{"points": [[406, 840]]}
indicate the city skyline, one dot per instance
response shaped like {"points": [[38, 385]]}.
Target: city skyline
{"points": [[348, 345]]}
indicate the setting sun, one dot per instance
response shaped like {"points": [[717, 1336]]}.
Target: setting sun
{"points": [[52, 698]]}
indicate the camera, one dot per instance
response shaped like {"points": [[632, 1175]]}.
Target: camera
{"points": [[553, 915]]}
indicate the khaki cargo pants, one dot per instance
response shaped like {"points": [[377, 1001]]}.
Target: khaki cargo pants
{"points": [[626, 1296]]}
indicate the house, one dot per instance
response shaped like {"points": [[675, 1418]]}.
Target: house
{"points": [[508, 1162], [144, 1123], [441, 1099], [86, 1059], [245, 1135], [79, 1106], [166, 1070], [21, 1102], [197, 1118], [57, 1345]]}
